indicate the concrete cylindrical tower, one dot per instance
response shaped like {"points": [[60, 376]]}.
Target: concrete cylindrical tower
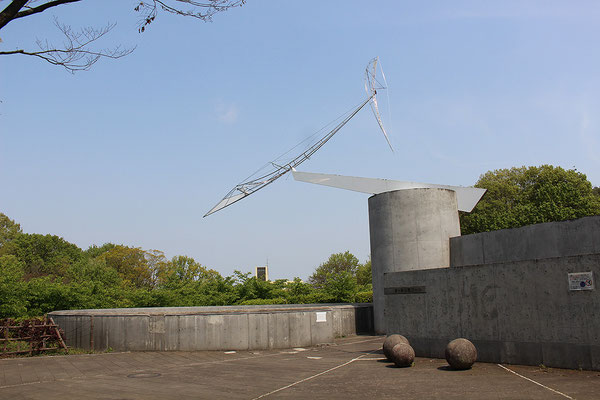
{"points": [[410, 229]]}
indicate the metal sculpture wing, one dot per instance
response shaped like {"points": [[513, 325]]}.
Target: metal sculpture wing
{"points": [[371, 86], [282, 165], [466, 197]]}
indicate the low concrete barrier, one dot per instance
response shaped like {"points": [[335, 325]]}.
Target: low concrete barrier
{"points": [[213, 328]]}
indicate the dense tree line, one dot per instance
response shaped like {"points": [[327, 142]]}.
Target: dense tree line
{"points": [[42, 273]]}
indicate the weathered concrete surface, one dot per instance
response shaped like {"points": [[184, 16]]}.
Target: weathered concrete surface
{"points": [[549, 240], [409, 231], [516, 312], [350, 369], [213, 328]]}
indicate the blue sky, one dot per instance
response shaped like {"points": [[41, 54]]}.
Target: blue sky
{"points": [[136, 150]]}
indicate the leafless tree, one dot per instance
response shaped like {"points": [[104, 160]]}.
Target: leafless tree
{"points": [[77, 52]]}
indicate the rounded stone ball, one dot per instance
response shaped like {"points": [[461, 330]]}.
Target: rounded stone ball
{"points": [[390, 342], [403, 355], [461, 353]]}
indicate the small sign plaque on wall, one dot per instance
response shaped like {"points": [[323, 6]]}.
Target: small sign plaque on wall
{"points": [[405, 290], [581, 281], [321, 316]]}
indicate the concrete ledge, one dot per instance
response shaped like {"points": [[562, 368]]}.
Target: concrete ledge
{"points": [[213, 328], [533, 242]]}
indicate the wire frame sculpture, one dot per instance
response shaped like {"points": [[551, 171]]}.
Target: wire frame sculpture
{"points": [[277, 168]]}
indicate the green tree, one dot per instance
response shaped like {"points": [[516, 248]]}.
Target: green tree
{"points": [[183, 270], [250, 288], [529, 195], [297, 288], [96, 251], [364, 275], [340, 286], [217, 290], [94, 272], [337, 263], [44, 254], [157, 265], [92, 284], [12, 287], [9, 230], [131, 264], [45, 294]]}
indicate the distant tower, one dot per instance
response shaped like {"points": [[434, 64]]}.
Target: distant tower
{"points": [[262, 273]]}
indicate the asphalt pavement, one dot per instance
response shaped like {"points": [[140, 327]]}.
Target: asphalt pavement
{"points": [[350, 368]]}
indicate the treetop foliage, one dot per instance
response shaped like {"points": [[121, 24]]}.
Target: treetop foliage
{"points": [[342, 277], [336, 264], [529, 195], [9, 229]]}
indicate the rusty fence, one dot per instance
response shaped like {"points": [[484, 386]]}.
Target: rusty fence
{"points": [[31, 336]]}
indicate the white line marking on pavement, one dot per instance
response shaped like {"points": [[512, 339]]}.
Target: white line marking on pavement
{"points": [[21, 384], [360, 341], [309, 378], [537, 383]]}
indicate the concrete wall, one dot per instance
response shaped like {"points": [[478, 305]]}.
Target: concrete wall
{"points": [[514, 304], [212, 328], [409, 230], [552, 239]]}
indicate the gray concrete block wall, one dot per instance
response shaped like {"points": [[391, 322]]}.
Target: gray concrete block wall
{"points": [[409, 230], [548, 240], [517, 312], [212, 328]]}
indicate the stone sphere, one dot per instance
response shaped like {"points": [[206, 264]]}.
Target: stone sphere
{"points": [[403, 355], [461, 354], [390, 342]]}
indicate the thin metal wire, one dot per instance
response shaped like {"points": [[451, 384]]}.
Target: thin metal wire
{"points": [[248, 187], [308, 139], [278, 168]]}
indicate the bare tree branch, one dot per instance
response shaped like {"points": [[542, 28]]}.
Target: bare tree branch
{"points": [[202, 10], [8, 14], [42, 7], [76, 55]]}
